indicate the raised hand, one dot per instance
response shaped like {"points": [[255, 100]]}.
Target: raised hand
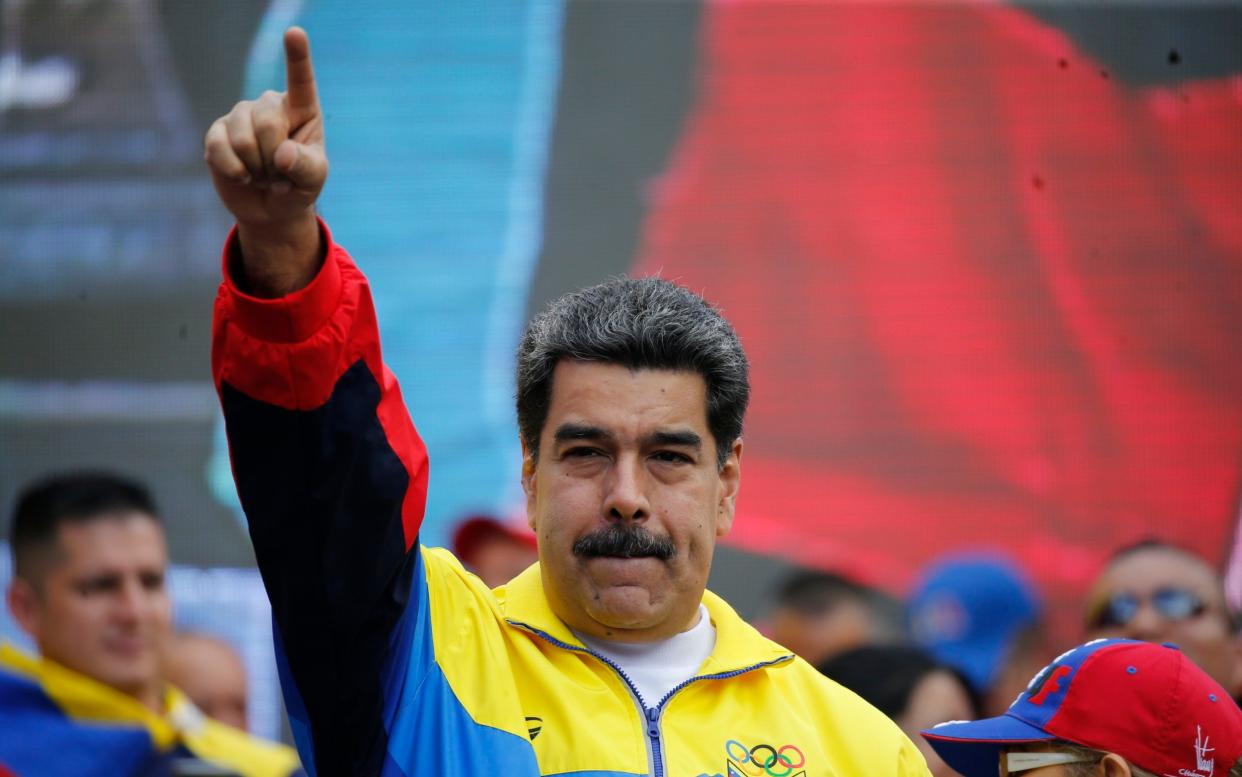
{"points": [[268, 165]]}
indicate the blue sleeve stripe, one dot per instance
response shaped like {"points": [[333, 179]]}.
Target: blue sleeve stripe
{"points": [[294, 706], [410, 650]]}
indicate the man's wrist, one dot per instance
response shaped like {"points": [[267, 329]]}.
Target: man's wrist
{"points": [[276, 260]]}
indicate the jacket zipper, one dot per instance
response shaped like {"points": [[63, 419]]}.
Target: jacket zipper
{"points": [[652, 715]]}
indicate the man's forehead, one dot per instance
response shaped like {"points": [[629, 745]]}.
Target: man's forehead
{"points": [[120, 521], [1152, 568], [574, 378], [116, 536], [616, 398], [204, 647]]}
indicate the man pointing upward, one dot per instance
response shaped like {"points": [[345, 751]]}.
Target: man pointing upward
{"points": [[608, 657]]}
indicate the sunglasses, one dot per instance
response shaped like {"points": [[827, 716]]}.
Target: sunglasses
{"points": [[1175, 604], [1012, 763]]}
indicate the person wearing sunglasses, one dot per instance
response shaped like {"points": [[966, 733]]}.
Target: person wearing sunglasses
{"points": [[1108, 708], [1156, 592]]}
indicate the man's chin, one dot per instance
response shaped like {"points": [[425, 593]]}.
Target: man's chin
{"points": [[129, 671], [624, 607], [623, 625]]}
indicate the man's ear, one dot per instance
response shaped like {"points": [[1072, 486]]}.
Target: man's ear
{"points": [[730, 481], [26, 607], [528, 482], [1114, 765]]}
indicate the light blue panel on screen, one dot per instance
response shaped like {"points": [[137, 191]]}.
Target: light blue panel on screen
{"points": [[438, 121]]}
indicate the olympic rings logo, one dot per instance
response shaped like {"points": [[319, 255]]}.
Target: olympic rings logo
{"points": [[764, 759]]}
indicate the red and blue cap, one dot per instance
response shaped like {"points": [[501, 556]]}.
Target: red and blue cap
{"points": [[1147, 703]]}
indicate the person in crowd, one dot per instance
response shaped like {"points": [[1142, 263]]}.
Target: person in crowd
{"points": [[980, 614], [89, 562], [496, 551], [1158, 592], [608, 656], [209, 671], [910, 687], [820, 614], [1109, 708]]}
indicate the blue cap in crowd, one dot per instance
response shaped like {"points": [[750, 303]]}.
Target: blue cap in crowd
{"points": [[968, 610]]}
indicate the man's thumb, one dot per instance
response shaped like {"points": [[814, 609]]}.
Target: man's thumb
{"points": [[305, 166]]}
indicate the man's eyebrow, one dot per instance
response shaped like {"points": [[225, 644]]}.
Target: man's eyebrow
{"points": [[570, 432], [98, 578], [683, 438]]}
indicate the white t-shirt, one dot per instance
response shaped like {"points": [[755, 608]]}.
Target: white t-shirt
{"points": [[656, 668]]}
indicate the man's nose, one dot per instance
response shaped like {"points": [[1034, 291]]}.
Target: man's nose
{"points": [[133, 602], [1147, 624], [626, 497]]}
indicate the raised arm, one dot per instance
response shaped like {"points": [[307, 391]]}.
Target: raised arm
{"points": [[330, 471]]}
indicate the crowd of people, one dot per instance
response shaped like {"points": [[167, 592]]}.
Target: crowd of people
{"points": [[969, 638], [608, 656]]}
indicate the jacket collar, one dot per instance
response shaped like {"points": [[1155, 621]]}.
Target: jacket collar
{"points": [[739, 646]]}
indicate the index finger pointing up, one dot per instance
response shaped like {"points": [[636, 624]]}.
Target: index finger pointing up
{"points": [[299, 76]]}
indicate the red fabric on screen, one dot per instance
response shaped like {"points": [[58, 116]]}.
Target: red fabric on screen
{"points": [[991, 294]]}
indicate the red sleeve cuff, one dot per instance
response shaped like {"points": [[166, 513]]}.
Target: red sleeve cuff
{"points": [[294, 317]]}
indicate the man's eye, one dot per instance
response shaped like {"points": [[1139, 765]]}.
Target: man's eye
{"points": [[581, 453], [673, 457], [100, 585], [153, 582]]}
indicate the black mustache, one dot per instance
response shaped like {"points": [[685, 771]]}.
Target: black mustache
{"points": [[624, 541]]}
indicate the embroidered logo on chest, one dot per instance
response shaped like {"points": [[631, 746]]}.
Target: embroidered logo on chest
{"points": [[761, 760]]}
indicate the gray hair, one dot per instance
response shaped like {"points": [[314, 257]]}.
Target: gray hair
{"points": [[639, 323]]}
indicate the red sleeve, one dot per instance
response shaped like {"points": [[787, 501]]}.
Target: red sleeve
{"points": [[289, 353]]}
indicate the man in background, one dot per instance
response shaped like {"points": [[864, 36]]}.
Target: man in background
{"points": [[1157, 592], [89, 561], [821, 614], [494, 550], [910, 687], [211, 673]]}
